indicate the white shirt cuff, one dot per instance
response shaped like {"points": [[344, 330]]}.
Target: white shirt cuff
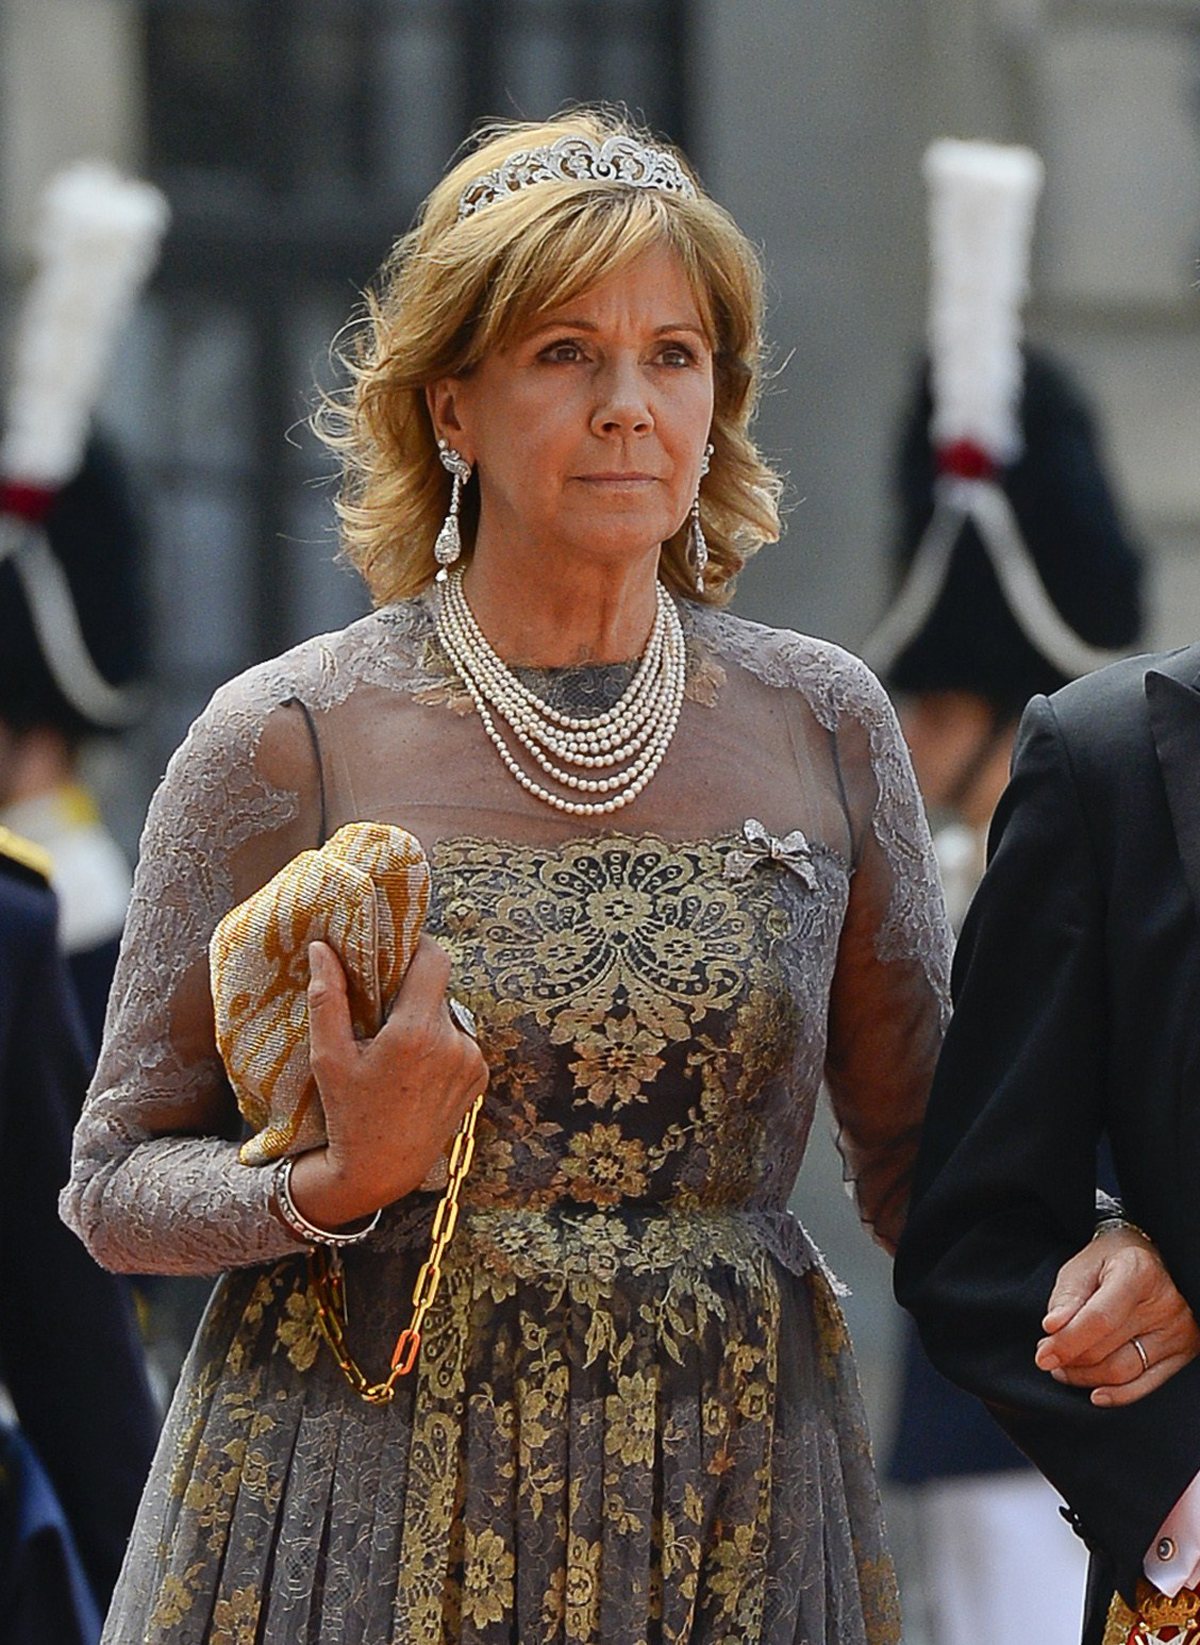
{"points": [[1174, 1560]]}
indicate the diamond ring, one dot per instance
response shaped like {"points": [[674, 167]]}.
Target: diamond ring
{"points": [[462, 1017]]}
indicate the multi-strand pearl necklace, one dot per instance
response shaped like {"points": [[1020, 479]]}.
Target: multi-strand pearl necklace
{"points": [[615, 754]]}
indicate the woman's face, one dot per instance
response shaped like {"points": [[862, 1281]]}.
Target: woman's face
{"points": [[588, 430]]}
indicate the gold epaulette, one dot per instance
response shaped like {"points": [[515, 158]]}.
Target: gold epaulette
{"points": [[23, 855]]}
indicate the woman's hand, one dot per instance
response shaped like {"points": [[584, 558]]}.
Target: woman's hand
{"points": [[391, 1103], [1113, 1295]]}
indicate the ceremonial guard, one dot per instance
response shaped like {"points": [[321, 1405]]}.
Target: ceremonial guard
{"points": [[71, 1473], [1014, 575], [73, 630], [1075, 1034]]}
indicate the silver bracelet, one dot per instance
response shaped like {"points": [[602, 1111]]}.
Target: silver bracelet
{"points": [[299, 1225]]}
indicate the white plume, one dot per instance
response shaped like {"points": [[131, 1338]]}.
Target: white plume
{"points": [[96, 244], [982, 199]]}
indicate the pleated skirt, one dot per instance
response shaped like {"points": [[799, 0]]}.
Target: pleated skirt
{"points": [[625, 1427]]}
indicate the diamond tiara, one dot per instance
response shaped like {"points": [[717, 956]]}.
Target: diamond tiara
{"points": [[577, 159]]}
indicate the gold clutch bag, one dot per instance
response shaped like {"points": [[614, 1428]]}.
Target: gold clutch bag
{"points": [[366, 893]]}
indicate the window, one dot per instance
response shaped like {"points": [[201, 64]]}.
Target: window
{"points": [[295, 139]]}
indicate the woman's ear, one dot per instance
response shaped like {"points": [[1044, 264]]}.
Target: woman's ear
{"points": [[441, 398]]}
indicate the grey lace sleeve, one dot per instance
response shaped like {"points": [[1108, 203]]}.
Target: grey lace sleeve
{"points": [[890, 999], [156, 1185]]}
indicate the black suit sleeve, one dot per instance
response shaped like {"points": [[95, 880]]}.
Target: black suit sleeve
{"points": [[68, 1342], [1006, 1175]]}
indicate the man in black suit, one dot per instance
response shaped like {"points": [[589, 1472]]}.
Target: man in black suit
{"points": [[69, 1353], [1077, 992]]}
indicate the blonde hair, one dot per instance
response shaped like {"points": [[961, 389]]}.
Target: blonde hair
{"points": [[451, 291]]}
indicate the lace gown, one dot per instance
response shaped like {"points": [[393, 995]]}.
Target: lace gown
{"points": [[635, 1417]]}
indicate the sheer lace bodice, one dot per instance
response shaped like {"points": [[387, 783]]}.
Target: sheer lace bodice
{"points": [[634, 1413], [660, 983]]}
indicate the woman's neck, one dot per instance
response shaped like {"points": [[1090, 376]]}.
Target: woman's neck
{"points": [[559, 615]]}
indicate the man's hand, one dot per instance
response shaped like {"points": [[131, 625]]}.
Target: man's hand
{"points": [[1113, 1295]]}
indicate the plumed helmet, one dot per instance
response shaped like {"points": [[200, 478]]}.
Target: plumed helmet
{"points": [[72, 616], [1014, 573], [973, 635]]}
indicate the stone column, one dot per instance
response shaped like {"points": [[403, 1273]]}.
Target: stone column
{"points": [[69, 90], [811, 121]]}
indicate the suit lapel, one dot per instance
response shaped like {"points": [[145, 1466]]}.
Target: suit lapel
{"points": [[1174, 707]]}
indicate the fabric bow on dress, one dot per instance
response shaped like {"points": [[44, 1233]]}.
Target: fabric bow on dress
{"points": [[793, 851]]}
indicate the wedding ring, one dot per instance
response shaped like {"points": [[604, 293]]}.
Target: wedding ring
{"points": [[1137, 1343], [462, 1017]]}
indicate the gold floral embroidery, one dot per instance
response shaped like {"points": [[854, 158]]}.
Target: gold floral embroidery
{"points": [[833, 1339], [447, 689], [765, 1029], [881, 1602], [488, 1586], [593, 968], [618, 1064], [235, 1620], [260, 1478], [211, 1490], [176, 1597], [606, 918], [730, 1558], [299, 1332], [554, 1603], [260, 1299], [601, 1367], [582, 1588], [606, 1165], [631, 1420]]}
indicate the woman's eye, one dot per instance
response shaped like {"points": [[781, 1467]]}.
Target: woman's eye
{"points": [[676, 354], [562, 352]]}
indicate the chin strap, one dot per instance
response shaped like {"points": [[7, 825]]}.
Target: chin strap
{"points": [[985, 504], [56, 624]]}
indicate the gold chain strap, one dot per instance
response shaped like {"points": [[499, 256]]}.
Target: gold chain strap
{"points": [[328, 1279]]}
